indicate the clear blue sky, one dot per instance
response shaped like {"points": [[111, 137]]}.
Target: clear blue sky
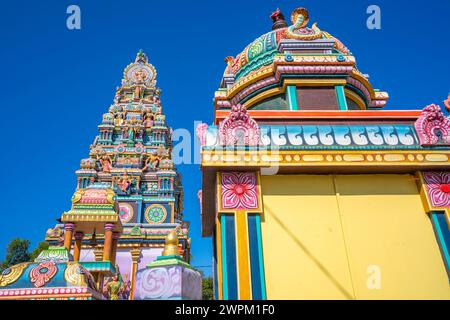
{"points": [[57, 83]]}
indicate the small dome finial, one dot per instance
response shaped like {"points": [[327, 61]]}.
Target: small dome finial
{"points": [[141, 57], [278, 20], [171, 244]]}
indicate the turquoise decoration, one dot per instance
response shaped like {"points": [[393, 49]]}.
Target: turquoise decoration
{"points": [[333, 137], [259, 53]]}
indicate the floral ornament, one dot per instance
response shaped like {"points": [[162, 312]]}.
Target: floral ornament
{"points": [[239, 191], [155, 214], [43, 273], [125, 212], [438, 188]]}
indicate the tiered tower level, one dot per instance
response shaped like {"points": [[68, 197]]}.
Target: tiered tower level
{"points": [[132, 155], [309, 187]]}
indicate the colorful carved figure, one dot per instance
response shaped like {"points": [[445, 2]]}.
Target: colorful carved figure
{"points": [[105, 162], [148, 120], [124, 182], [130, 135], [118, 120], [114, 288], [152, 162]]}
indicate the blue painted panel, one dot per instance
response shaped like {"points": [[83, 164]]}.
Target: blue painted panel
{"points": [[442, 231], [215, 275], [223, 241], [230, 264], [342, 136], [254, 257]]}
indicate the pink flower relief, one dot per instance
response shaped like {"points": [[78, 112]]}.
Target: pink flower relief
{"points": [[43, 273], [239, 191], [438, 188]]}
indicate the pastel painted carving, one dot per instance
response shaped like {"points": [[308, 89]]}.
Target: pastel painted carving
{"points": [[432, 127], [437, 185], [239, 190]]}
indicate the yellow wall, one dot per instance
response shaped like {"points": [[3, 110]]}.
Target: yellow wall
{"points": [[323, 233]]}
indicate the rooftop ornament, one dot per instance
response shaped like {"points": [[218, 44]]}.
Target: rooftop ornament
{"points": [[447, 103], [432, 127], [278, 20], [298, 30], [239, 128]]}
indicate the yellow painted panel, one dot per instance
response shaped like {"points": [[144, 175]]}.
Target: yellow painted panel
{"points": [[388, 234], [244, 283], [304, 251]]}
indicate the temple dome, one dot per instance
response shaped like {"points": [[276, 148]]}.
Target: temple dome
{"points": [[319, 70], [261, 51]]}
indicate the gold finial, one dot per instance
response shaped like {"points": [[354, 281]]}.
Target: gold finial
{"points": [[171, 244]]}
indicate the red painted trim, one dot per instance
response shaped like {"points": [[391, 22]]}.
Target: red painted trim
{"points": [[327, 115]]}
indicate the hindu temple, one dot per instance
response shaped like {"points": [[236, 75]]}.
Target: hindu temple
{"points": [[310, 188]]}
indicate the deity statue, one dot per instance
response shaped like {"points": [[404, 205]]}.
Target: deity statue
{"points": [[140, 75], [124, 183], [118, 93], [138, 92], [118, 119], [105, 162], [130, 133], [152, 161], [113, 288], [148, 120], [126, 287]]}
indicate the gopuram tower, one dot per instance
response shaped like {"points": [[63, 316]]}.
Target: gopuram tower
{"points": [[132, 155]]}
